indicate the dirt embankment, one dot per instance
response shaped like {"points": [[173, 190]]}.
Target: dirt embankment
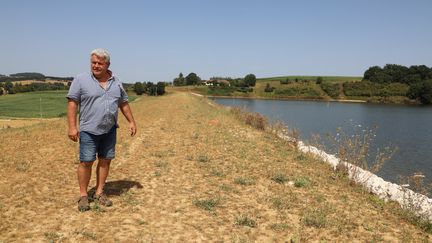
{"points": [[193, 173]]}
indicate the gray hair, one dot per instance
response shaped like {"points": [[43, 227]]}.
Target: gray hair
{"points": [[101, 53]]}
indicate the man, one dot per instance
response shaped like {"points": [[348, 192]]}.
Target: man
{"points": [[98, 94]]}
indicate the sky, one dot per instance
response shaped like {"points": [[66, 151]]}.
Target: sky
{"points": [[156, 40]]}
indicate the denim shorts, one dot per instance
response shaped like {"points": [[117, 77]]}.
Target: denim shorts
{"points": [[103, 145]]}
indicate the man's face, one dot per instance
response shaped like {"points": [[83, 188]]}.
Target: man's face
{"points": [[99, 66]]}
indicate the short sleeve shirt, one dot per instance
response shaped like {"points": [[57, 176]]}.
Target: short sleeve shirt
{"points": [[98, 107]]}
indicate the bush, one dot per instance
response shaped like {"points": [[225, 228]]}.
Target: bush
{"points": [[244, 89], [286, 81], [220, 91], [303, 91], [268, 88], [253, 119], [332, 89]]}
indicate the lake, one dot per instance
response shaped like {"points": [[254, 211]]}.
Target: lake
{"points": [[407, 128]]}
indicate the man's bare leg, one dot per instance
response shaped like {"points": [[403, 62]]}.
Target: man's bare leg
{"points": [[84, 173], [102, 172]]}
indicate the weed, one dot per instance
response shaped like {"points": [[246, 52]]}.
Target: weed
{"points": [[195, 135], [412, 209], [226, 188], [244, 220], [302, 182], [301, 157], [22, 166], [141, 221], [203, 158], [128, 198], [252, 119], [161, 164], [280, 178], [281, 130], [244, 181], [86, 234], [217, 173], [315, 218], [344, 198], [189, 157], [377, 202], [53, 236], [159, 154], [207, 204], [97, 208], [280, 203], [157, 173], [355, 147], [279, 227]]}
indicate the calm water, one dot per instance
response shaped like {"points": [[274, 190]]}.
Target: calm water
{"points": [[409, 128]]}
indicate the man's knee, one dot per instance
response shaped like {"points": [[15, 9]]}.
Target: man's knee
{"points": [[86, 164], [104, 162]]}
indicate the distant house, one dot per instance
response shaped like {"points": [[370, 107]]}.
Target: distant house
{"points": [[216, 82], [207, 82]]}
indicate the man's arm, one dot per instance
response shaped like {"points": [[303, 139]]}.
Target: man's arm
{"points": [[72, 106], [127, 112]]}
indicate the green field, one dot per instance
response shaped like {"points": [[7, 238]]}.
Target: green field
{"points": [[45, 104]]}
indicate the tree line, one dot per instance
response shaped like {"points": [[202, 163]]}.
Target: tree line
{"points": [[30, 76], [11, 88], [149, 88], [417, 77]]}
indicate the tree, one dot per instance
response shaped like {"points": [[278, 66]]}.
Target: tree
{"points": [[160, 88], [250, 80], [9, 87], [396, 72], [268, 88], [421, 91], [192, 79], [319, 80], [426, 94], [139, 88], [179, 81]]}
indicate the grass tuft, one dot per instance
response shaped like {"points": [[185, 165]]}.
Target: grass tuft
{"points": [[244, 181], [279, 227], [315, 218], [207, 204], [302, 182], [280, 178], [244, 220], [203, 158]]}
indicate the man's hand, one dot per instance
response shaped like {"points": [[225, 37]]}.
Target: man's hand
{"points": [[73, 134], [132, 128]]}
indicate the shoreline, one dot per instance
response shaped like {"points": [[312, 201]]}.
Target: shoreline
{"points": [[371, 182], [278, 98]]}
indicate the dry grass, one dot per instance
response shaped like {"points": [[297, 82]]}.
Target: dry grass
{"points": [[193, 173]]}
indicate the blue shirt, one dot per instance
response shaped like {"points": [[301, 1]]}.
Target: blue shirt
{"points": [[98, 107]]}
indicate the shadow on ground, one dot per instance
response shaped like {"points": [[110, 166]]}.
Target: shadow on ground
{"points": [[116, 188]]}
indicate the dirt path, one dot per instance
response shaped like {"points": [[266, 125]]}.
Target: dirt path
{"points": [[193, 173]]}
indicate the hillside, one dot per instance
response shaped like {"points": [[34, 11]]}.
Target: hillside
{"points": [[194, 172]]}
